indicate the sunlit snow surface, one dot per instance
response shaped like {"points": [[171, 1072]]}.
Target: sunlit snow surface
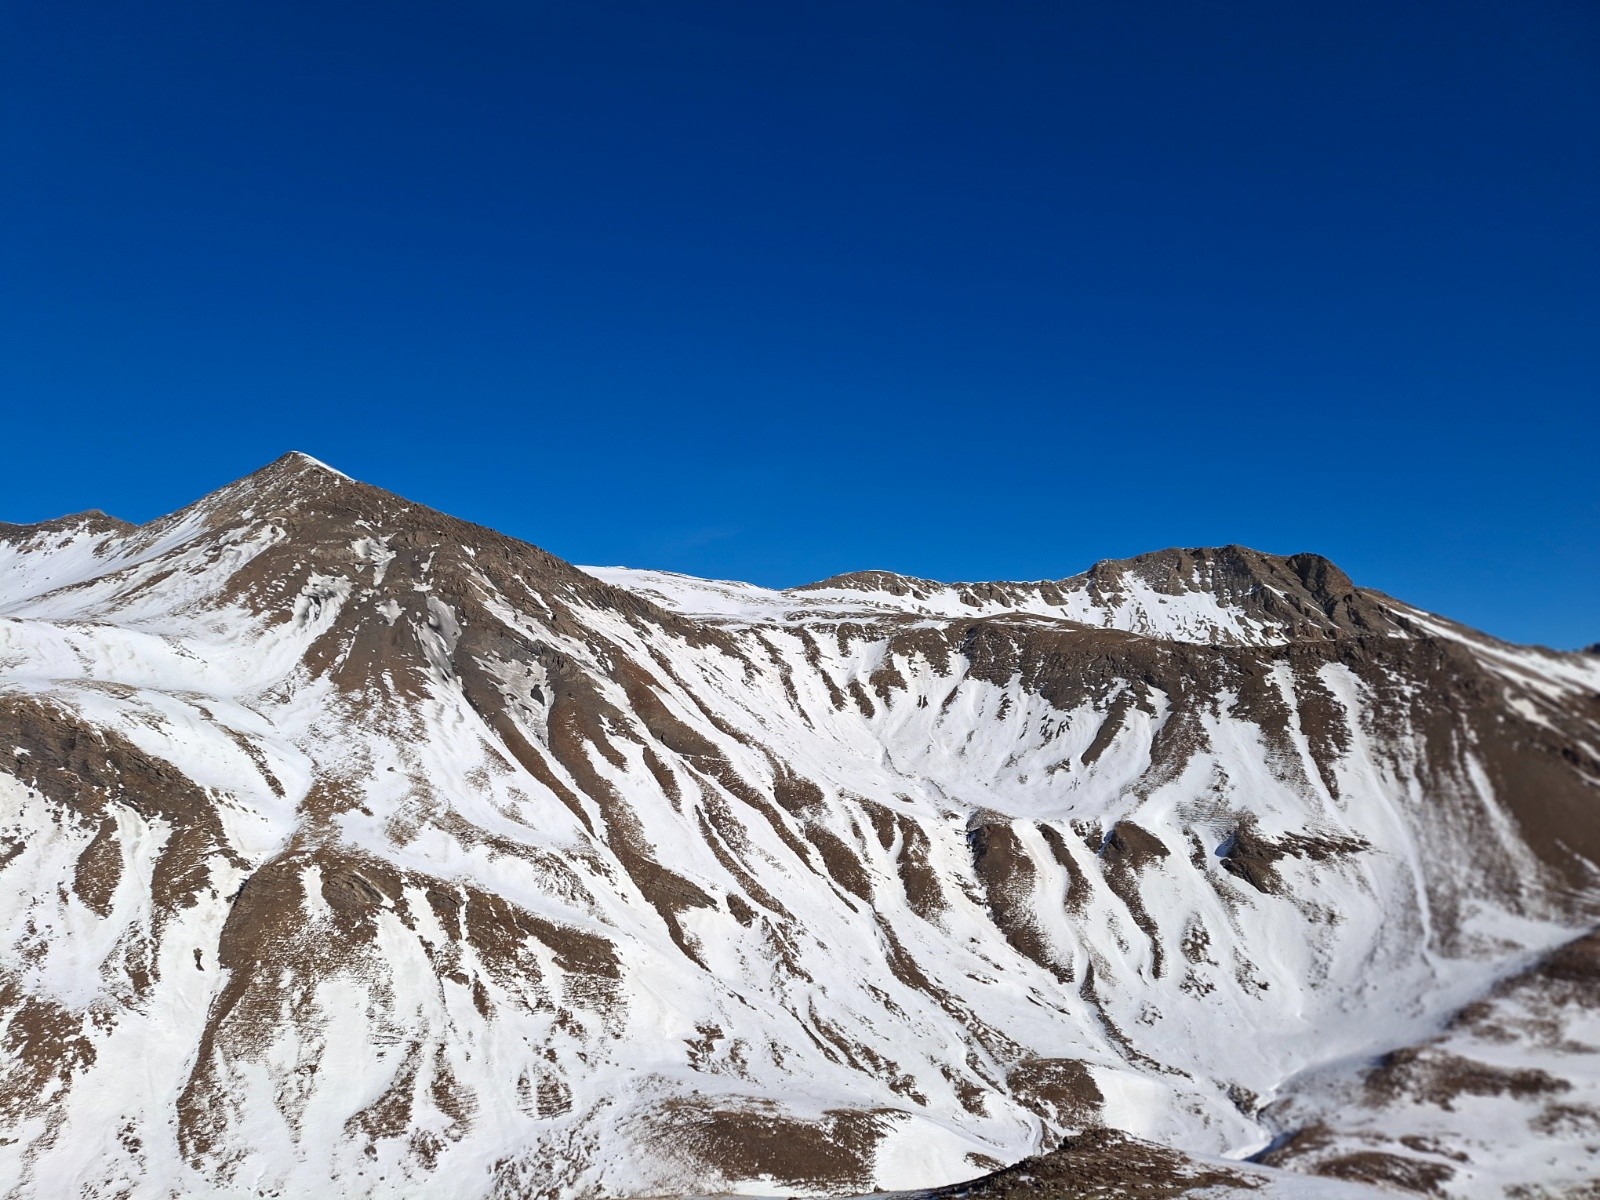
{"points": [[1196, 617], [429, 1062]]}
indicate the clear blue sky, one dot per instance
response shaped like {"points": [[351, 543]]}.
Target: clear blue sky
{"points": [[771, 291]]}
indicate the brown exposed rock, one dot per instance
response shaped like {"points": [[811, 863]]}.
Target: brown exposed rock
{"points": [[1078, 887], [91, 521], [1313, 1150], [875, 581], [99, 868], [45, 1047], [1128, 850], [758, 1139], [1388, 1170], [1573, 969], [1100, 1164], [918, 877], [841, 862], [1253, 857], [1431, 1076], [1305, 595], [87, 770], [1008, 877], [1062, 1090]]}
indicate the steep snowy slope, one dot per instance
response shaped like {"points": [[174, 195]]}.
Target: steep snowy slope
{"points": [[350, 849], [1504, 1101]]}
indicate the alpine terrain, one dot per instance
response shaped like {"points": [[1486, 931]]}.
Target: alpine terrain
{"points": [[348, 849]]}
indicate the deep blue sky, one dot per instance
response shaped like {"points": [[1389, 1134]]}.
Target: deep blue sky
{"points": [[978, 290]]}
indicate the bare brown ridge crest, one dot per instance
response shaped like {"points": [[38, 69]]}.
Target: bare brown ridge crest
{"points": [[1305, 595], [320, 509]]}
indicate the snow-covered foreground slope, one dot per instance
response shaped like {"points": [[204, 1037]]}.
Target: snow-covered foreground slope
{"points": [[347, 849]]}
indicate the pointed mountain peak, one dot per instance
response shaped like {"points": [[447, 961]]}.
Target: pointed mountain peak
{"points": [[302, 460], [289, 484], [320, 520], [294, 464]]}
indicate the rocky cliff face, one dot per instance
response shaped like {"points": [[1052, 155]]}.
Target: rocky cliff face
{"points": [[350, 849]]}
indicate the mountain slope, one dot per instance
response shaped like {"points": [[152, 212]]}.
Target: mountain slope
{"points": [[351, 849]]}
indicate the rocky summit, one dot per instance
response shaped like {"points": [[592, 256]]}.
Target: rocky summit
{"points": [[351, 850]]}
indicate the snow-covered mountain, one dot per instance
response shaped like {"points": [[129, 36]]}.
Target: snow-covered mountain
{"points": [[349, 849]]}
